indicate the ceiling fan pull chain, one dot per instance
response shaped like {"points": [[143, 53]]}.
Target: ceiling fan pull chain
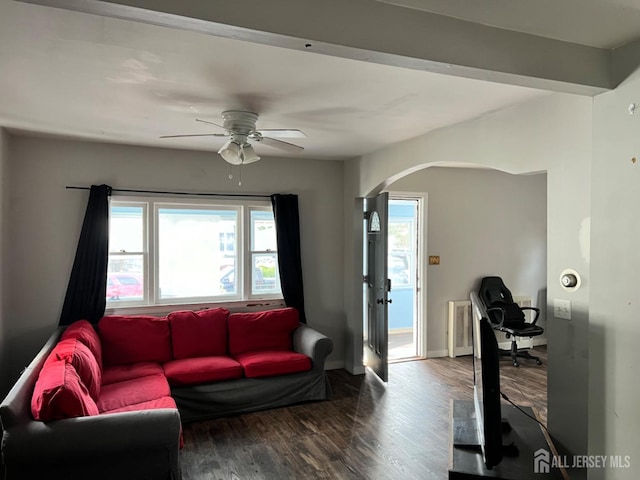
{"points": [[230, 172], [240, 175]]}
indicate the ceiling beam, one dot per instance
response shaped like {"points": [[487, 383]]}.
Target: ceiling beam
{"points": [[378, 32], [626, 60]]}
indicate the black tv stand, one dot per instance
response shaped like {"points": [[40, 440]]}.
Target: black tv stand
{"points": [[522, 437], [465, 436], [510, 450]]}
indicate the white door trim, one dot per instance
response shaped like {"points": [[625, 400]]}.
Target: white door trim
{"points": [[421, 281]]}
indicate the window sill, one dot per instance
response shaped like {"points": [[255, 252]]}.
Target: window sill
{"points": [[232, 306]]}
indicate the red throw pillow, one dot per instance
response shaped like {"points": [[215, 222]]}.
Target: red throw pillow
{"points": [[199, 334], [134, 339], [86, 333], [71, 350], [59, 393], [266, 330]]}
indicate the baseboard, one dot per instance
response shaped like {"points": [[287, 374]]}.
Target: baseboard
{"points": [[539, 341], [437, 353], [334, 365]]}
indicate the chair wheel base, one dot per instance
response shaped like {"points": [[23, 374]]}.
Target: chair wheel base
{"points": [[514, 354]]}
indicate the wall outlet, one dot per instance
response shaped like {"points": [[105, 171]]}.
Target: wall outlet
{"points": [[562, 309]]}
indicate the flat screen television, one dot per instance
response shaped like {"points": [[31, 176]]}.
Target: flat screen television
{"points": [[486, 386]]}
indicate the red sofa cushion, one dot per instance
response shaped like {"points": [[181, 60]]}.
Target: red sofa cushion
{"points": [[134, 338], [199, 334], [162, 402], [72, 351], [130, 392], [59, 393], [191, 371], [86, 333], [267, 330], [120, 373], [272, 362]]}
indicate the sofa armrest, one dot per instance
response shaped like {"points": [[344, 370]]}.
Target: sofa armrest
{"points": [[87, 437], [313, 344]]}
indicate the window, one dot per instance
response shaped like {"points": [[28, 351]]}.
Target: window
{"points": [[166, 251]]}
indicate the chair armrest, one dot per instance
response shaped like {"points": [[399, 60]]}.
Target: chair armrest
{"points": [[87, 437], [535, 309], [313, 344]]}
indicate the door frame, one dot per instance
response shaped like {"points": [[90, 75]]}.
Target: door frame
{"points": [[421, 264]]}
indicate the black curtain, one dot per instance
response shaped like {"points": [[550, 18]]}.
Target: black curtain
{"points": [[86, 292], [285, 212]]}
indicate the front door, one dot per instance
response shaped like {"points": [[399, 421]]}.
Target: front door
{"points": [[378, 284]]}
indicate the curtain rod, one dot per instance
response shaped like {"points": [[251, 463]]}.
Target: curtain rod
{"points": [[71, 187]]}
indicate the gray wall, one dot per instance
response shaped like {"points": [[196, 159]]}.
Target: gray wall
{"points": [[614, 389], [480, 222], [568, 224], [46, 218], [4, 209]]}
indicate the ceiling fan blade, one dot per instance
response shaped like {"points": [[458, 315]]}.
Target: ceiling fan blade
{"points": [[289, 147], [282, 133], [217, 125], [195, 135], [210, 123]]}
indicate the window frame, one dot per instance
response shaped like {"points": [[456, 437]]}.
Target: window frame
{"points": [[249, 251], [134, 202], [152, 300]]}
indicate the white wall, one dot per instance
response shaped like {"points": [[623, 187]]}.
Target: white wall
{"points": [[480, 223], [46, 218], [4, 208], [552, 134], [614, 389]]}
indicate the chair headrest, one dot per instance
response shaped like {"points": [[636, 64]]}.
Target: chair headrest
{"points": [[493, 291]]}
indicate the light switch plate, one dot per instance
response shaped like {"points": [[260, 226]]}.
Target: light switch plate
{"points": [[562, 309]]}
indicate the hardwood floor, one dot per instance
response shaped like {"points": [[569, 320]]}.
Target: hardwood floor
{"points": [[366, 431]]}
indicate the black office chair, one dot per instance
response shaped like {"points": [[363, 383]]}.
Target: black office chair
{"points": [[508, 317]]}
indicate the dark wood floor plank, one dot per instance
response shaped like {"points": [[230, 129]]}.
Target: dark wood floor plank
{"points": [[366, 431]]}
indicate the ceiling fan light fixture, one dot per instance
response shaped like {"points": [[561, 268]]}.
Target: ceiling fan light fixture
{"points": [[249, 154], [231, 152]]}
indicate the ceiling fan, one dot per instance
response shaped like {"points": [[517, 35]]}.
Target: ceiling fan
{"points": [[240, 127]]}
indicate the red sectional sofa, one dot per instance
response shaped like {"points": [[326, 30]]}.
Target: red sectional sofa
{"points": [[108, 401]]}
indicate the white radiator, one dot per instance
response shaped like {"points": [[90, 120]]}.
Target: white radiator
{"points": [[460, 327]]}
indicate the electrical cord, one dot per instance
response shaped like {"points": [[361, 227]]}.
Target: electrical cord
{"points": [[524, 413]]}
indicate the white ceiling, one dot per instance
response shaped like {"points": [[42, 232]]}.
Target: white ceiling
{"points": [[85, 76]]}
